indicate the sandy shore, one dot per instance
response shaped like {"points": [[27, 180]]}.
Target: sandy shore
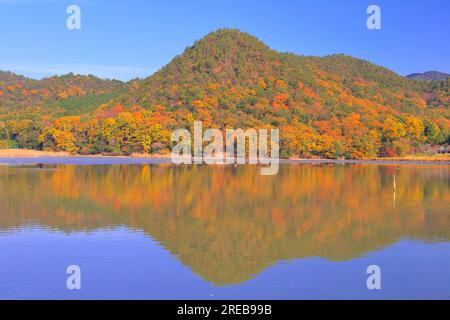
{"points": [[25, 153], [20, 153]]}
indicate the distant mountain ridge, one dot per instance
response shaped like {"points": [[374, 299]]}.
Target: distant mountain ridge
{"points": [[429, 76]]}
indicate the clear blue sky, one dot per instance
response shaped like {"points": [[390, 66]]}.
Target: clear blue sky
{"points": [[127, 39]]}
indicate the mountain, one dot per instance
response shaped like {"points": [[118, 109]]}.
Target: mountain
{"points": [[232, 60], [332, 107], [429, 76]]}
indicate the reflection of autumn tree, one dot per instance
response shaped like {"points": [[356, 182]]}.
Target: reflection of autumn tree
{"points": [[228, 224]]}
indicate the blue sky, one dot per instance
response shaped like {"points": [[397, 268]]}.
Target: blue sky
{"points": [[127, 39]]}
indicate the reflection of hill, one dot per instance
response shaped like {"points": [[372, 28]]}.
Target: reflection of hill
{"points": [[228, 224]]}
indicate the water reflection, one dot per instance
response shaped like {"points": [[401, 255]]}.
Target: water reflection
{"points": [[228, 224]]}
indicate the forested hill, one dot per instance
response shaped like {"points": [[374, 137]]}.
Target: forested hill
{"points": [[334, 106], [27, 105], [18, 93], [229, 60]]}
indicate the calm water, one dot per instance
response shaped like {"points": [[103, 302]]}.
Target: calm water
{"points": [[163, 232]]}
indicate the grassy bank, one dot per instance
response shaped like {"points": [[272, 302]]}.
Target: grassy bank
{"points": [[419, 157]]}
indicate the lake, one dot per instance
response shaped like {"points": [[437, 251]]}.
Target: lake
{"points": [[158, 231]]}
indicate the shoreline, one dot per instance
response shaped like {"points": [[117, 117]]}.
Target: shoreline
{"points": [[25, 153], [33, 157]]}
